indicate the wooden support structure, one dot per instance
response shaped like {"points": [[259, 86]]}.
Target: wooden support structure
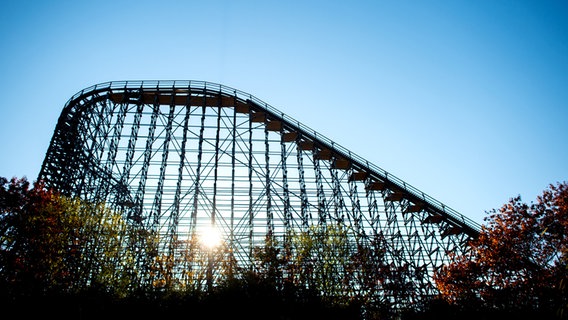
{"points": [[289, 136], [323, 154], [178, 157], [434, 218], [258, 116], [395, 196], [242, 108], [177, 99], [358, 176], [274, 125], [306, 145], [452, 230], [341, 163], [376, 185], [413, 208]]}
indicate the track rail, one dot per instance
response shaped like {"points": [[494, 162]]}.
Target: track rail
{"points": [[180, 92]]}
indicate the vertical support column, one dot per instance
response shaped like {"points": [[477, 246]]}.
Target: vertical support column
{"points": [[157, 210], [76, 138], [197, 193], [136, 211], [372, 206], [147, 155], [215, 168], [251, 215], [337, 196], [135, 208], [108, 137], [210, 254], [322, 210], [269, 215], [157, 207], [286, 191], [233, 163], [143, 177], [355, 204], [73, 155], [98, 170], [174, 223], [113, 148], [356, 207], [303, 193]]}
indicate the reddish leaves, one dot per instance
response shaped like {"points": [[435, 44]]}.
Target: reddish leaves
{"points": [[519, 258]]}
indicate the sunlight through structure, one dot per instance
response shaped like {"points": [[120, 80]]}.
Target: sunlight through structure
{"points": [[211, 237], [176, 157]]}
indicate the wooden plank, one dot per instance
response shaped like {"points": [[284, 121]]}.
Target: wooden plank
{"points": [[435, 218], [289, 136], [274, 125], [116, 97], [413, 208], [306, 145], [395, 196], [340, 163], [358, 176], [242, 108], [185, 100], [376, 185], [323, 154], [258, 116], [453, 230]]}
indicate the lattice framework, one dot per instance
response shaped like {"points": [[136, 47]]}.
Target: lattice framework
{"points": [[178, 157]]}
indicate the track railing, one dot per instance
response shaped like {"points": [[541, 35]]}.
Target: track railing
{"points": [[469, 226]]}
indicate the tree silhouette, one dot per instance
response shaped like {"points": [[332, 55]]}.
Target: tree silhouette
{"points": [[71, 258], [51, 243], [518, 261]]}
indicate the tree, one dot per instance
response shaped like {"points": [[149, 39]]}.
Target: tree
{"points": [[518, 260], [28, 252], [52, 243]]}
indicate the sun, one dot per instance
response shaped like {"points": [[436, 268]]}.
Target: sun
{"points": [[211, 237]]}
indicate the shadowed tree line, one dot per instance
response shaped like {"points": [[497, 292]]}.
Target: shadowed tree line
{"points": [[67, 257], [74, 259], [517, 266]]}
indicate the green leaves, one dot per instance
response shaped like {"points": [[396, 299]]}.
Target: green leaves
{"points": [[54, 243]]}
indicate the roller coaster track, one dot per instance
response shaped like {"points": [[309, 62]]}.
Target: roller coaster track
{"points": [[232, 131]]}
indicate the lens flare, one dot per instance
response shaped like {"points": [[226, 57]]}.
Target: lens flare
{"points": [[211, 237]]}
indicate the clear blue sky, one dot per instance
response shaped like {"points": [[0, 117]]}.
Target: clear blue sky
{"points": [[465, 100]]}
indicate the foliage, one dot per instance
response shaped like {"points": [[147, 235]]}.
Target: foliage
{"points": [[55, 246], [248, 298], [326, 252], [70, 257], [317, 256], [53, 243], [518, 260], [327, 258], [31, 242]]}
